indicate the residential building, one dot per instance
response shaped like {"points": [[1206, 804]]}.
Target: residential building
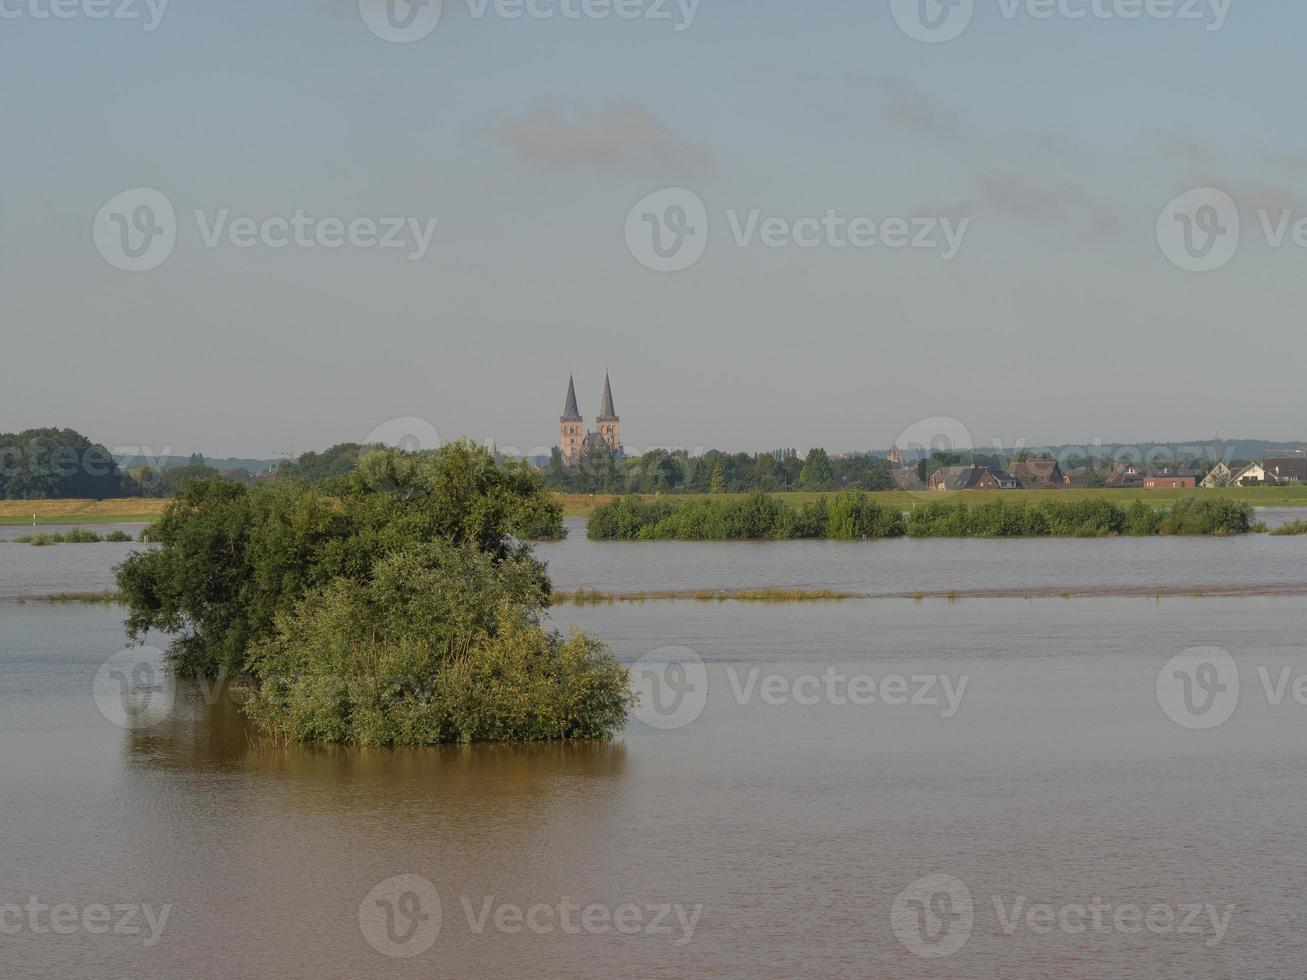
{"points": [[1286, 469], [1035, 473], [972, 478], [1170, 479]]}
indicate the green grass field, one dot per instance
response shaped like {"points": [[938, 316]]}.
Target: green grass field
{"points": [[582, 505], [134, 510]]}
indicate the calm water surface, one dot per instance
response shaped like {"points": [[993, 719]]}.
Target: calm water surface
{"points": [[880, 567], [792, 826]]}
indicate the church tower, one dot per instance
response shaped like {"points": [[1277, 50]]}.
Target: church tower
{"points": [[571, 428], [610, 426]]}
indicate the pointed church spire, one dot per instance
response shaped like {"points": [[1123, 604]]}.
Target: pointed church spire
{"points": [[570, 412], [607, 411]]}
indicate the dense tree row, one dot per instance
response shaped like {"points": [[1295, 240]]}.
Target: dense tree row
{"points": [[663, 471]]}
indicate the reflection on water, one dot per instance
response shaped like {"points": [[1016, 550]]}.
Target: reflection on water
{"points": [[206, 731]]}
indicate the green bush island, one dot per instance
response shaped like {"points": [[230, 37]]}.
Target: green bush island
{"points": [[403, 608]]}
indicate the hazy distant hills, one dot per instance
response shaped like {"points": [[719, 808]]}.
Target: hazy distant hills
{"points": [[165, 463]]}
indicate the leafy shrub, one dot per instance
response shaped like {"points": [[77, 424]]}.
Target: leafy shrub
{"points": [[79, 535], [1077, 518], [232, 557], [751, 517], [1207, 515], [117, 536], [440, 645], [1290, 529]]}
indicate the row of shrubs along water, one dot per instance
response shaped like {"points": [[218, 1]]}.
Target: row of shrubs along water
{"points": [[76, 535], [856, 515]]}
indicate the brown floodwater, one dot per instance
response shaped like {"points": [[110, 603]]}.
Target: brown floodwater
{"points": [[769, 835]]}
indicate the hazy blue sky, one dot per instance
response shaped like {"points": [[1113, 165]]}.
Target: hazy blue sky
{"points": [[530, 140]]}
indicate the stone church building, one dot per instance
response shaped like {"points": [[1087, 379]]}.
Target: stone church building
{"points": [[575, 441]]}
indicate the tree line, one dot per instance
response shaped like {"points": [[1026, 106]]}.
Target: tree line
{"points": [[676, 471], [854, 515]]}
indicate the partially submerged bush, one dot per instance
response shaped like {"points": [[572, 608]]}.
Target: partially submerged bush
{"points": [[1290, 529], [440, 646], [751, 517], [1077, 518], [232, 557]]}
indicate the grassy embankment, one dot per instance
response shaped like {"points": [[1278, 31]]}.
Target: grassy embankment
{"points": [[131, 510], [583, 505]]}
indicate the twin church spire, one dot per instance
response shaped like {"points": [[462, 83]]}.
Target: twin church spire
{"points": [[574, 441]]}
